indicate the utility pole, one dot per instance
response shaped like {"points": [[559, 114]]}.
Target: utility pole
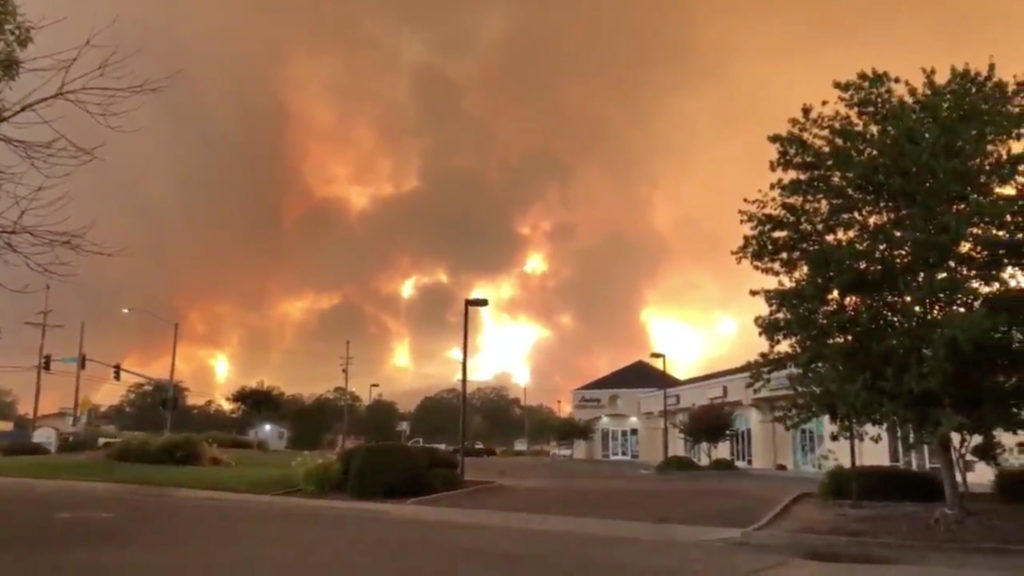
{"points": [[171, 393], [526, 420], [346, 362], [78, 372], [559, 408], [45, 313]]}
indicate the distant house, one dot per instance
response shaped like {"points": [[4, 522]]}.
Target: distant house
{"points": [[62, 421], [275, 436], [9, 434]]}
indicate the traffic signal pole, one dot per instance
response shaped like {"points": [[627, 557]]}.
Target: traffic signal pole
{"points": [[45, 313], [79, 366]]}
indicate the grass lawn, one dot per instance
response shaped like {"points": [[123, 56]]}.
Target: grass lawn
{"points": [[254, 471]]}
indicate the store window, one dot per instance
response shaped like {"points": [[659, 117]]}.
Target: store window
{"points": [[740, 443]]}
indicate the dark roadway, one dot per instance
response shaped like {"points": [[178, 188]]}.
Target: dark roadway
{"points": [[78, 528]]}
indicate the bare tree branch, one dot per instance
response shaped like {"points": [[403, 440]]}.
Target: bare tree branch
{"points": [[89, 79]]}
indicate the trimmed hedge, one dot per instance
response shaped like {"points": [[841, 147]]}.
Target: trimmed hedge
{"points": [[79, 443], [443, 479], [388, 471], [530, 452], [393, 470], [21, 448], [1009, 484], [177, 449], [881, 483], [678, 464], [722, 464]]}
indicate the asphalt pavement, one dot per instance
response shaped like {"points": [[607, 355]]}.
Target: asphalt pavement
{"points": [[52, 527]]}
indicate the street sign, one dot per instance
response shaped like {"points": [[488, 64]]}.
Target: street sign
{"points": [[68, 360]]}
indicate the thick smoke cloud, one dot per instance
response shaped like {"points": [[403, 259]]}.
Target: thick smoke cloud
{"points": [[311, 156]]}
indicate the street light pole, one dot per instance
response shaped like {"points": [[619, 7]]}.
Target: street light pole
{"points": [[526, 420], [174, 356], [664, 405], [171, 405], [469, 303], [369, 393]]}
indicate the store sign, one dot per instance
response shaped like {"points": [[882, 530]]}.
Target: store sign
{"points": [[672, 400], [590, 402]]}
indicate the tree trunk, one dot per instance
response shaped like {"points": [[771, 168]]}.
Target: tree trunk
{"points": [[944, 454]]}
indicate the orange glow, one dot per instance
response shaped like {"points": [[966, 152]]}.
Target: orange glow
{"points": [[400, 357], [299, 308], [410, 284], [535, 264], [686, 338], [505, 340], [221, 367]]}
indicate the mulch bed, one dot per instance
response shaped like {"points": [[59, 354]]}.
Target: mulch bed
{"points": [[988, 521]]}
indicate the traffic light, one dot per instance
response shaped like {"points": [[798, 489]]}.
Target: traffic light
{"points": [[117, 372], [47, 360], [81, 361]]}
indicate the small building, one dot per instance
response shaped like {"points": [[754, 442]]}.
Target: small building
{"points": [[274, 435], [613, 403], [63, 421]]}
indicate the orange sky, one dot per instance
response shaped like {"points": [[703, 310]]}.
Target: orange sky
{"points": [[351, 170]]}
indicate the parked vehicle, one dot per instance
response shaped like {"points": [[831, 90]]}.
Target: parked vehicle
{"points": [[477, 450], [419, 442]]}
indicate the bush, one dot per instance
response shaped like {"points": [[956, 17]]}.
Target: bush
{"points": [[319, 475], [232, 441], [677, 464], [883, 483], [345, 460], [79, 443], [437, 458], [177, 449], [388, 470], [722, 464], [1009, 484], [22, 448], [443, 479]]}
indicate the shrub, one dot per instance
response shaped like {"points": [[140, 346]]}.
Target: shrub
{"points": [[345, 460], [138, 449], [79, 443], [233, 441], [181, 450], [177, 449], [1009, 484], [443, 479], [22, 448], [437, 458], [677, 464], [722, 464], [884, 483], [387, 470], [319, 475]]}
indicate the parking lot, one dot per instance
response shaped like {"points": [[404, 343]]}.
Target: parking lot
{"points": [[625, 491]]}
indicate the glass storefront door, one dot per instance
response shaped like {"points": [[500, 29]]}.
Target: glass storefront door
{"points": [[620, 443]]}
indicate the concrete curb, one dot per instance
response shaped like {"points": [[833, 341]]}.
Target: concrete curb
{"points": [[460, 491], [805, 539], [785, 505]]}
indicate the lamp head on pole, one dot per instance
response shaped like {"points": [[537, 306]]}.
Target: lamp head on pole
{"points": [[126, 310], [657, 356], [476, 302]]}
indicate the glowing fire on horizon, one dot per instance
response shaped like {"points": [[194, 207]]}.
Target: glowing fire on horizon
{"points": [[400, 357], [410, 284], [221, 367], [686, 340], [536, 264]]}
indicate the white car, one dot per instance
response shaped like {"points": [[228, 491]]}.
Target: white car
{"points": [[419, 442]]}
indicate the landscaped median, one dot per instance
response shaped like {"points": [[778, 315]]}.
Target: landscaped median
{"points": [[374, 471]]}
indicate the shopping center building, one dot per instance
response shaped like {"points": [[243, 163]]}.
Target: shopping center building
{"points": [[626, 408]]}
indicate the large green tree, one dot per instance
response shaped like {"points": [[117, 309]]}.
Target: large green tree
{"points": [[258, 402], [436, 417], [141, 407], [892, 230], [380, 421]]}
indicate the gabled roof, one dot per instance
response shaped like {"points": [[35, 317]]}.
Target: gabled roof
{"points": [[639, 375], [735, 370]]}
